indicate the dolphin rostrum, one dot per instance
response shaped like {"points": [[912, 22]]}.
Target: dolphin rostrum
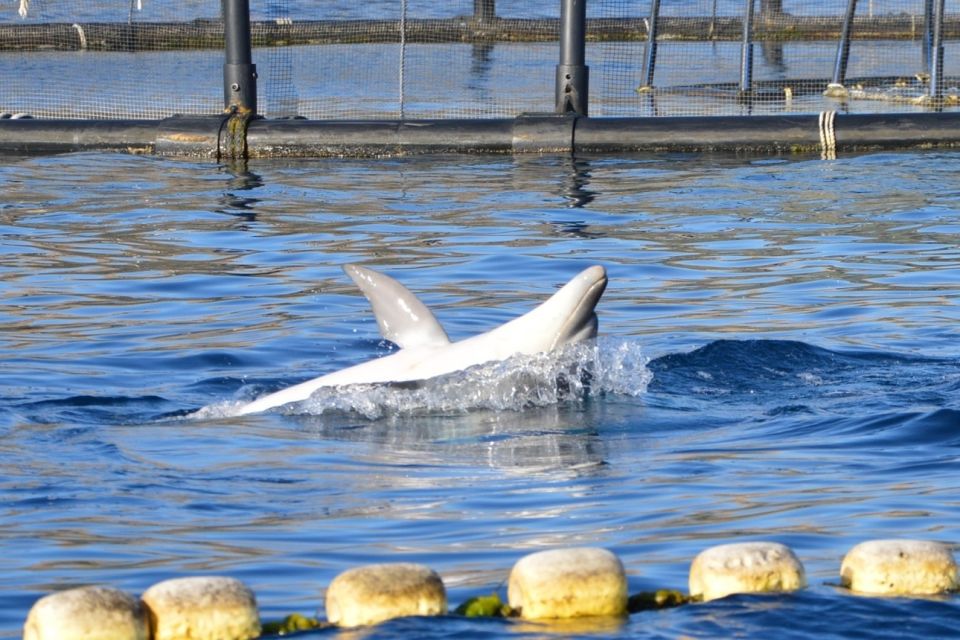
{"points": [[425, 350]]}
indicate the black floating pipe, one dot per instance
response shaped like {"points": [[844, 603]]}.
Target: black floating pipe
{"points": [[650, 52], [239, 72], [572, 73], [765, 134], [843, 47], [746, 52], [936, 67], [198, 136]]}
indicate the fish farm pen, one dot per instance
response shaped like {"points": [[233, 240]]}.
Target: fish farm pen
{"points": [[235, 79]]}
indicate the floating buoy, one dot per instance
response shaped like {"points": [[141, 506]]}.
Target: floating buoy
{"points": [[745, 567], [202, 608], [378, 592], [104, 613], [900, 567], [568, 583]]}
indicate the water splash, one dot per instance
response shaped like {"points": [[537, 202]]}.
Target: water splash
{"points": [[571, 374]]}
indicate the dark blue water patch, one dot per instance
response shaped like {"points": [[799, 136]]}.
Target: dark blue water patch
{"points": [[940, 427], [816, 613], [204, 361], [779, 378], [737, 366], [94, 410], [208, 361]]}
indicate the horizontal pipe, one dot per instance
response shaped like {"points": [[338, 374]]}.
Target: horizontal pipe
{"points": [[203, 136], [364, 138], [208, 34], [776, 133], [30, 136]]}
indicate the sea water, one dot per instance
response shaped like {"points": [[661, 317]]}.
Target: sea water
{"points": [[779, 359]]}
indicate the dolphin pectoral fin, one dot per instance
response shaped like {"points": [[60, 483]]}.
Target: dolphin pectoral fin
{"points": [[402, 318]]}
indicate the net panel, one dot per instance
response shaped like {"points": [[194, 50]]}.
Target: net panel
{"points": [[413, 59], [340, 59], [52, 63], [698, 68]]}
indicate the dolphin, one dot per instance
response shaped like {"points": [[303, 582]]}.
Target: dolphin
{"points": [[566, 317]]}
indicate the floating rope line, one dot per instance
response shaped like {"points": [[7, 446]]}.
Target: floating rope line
{"points": [[828, 136]]}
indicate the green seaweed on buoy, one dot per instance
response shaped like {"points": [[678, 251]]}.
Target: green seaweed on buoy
{"points": [[291, 624], [490, 606], [659, 599]]}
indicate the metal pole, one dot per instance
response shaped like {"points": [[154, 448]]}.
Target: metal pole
{"points": [[936, 68], [927, 35], [843, 48], [572, 72], [239, 72], [484, 10], [746, 52], [650, 52]]}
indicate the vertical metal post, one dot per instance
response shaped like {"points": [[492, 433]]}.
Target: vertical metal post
{"points": [[484, 10], [650, 51], [936, 66], [927, 36], [843, 47], [239, 72], [572, 72], [746, 52]]}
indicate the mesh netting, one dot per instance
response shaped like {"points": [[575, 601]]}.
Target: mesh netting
{"points": [[463, 58], [698, 67]]}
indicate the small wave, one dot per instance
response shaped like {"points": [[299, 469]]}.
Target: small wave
{"points": [[91, 409], [737, 366], [571, 374], [843, 391]]}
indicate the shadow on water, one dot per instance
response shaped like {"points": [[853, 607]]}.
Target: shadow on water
{"points": [[242, 179], [575, 193], [575, 185]]}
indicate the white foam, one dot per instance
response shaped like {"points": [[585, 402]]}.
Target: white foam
{"points": [[576, 372]]}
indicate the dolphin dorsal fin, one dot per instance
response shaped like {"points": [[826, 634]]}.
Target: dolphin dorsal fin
{"points": [[402, 318]]}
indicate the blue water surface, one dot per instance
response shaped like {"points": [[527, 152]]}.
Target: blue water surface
{"points": [[779, 359]]}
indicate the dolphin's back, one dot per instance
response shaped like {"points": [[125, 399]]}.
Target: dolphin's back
{"points": [[425, 351]]}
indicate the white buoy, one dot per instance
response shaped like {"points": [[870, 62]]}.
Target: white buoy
{"points": [[745, 567], [568, 583], [900, 567], [378, 592], [202, 608], [104, 613]]}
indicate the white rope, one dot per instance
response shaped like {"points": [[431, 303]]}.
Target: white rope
{"points": [[82, 35], [828, 136], [403, 50]]}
